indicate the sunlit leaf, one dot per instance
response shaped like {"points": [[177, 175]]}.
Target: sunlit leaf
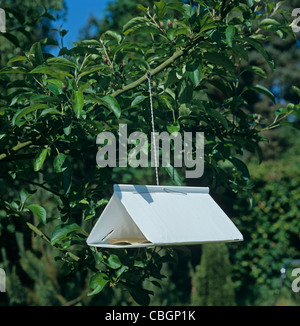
{"points": [[40, 159], [27, 110], [97, 282], [62, 232], [39, 211], [77, 101]]}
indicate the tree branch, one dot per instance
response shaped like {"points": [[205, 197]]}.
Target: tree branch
{"points": [[16, 148], [153, 72]]}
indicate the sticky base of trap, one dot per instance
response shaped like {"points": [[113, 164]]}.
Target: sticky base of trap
{"points": [[127, 241]]}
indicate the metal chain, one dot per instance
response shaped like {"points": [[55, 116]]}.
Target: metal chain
{"points": [[148, 75]]}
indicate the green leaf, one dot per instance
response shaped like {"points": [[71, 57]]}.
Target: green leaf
{"points": [[146, 29], [263, 90], [62, 165], [36, 52], [77, 101], [222, 85], [260, 49], [139, 99], [67, 126], [250, 3], [121, 271], [229, 33], [194, 71], [56, 82], [235, 15], [62, 232], [134, 23], [59, 163], [269, 21], [172, 32], [155, 283], [27, 110], [257, 70], [140, 263], [90, 70], [112, 34], [61, 61], [161, 9], [94, 43], [113, 261], [240, 51], [141, 7], [140, 295], [175, 5], [185, 110], [97, 282], [17, 58], [208, 27], [185, 91], [37, 231], [281, 111], [39, 211], [50, 111], [40, 159], [139, 61], [51, 71], [171, 79], [219, 117], [173, 128], [13, 70], [67, 177], [24, 195], [219, 59], [297, 90], [101, 202], [241, 166], [111, 103]]}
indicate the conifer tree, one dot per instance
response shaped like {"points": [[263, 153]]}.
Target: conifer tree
{"points": [[212, 284]]}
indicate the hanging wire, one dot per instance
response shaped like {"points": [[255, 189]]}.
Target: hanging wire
{"points": [[148, 75]]}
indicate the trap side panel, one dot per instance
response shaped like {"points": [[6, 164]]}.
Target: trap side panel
{"points": [[114, 222]]}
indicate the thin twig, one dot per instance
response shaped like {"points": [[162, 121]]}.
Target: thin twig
{"points": [[109, 61], [35, 184]]}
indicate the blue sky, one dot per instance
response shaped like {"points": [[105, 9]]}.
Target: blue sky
{"points": [[77, 16]]}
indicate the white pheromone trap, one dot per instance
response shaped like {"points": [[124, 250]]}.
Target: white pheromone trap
{"points": [[141, 216]]}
